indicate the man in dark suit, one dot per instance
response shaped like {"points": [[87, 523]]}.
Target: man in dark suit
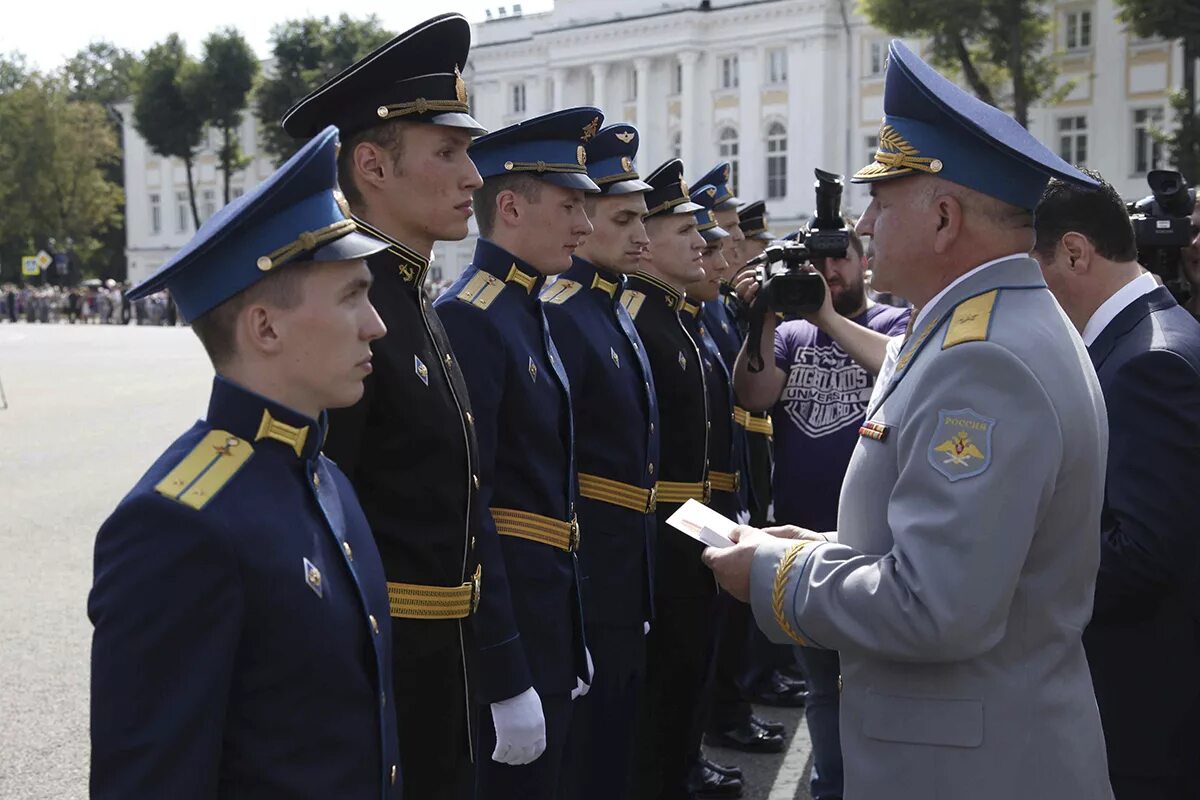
{"points": [[1143, 643], [242, 644]]}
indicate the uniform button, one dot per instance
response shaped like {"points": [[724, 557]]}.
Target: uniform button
{"points": [[383, 699], [652, 427], [651, 468], [475, 480], [647, 386], [470, 419], [472, 542], [374, 623], [708, 426], [449, 360], [346, 549], [636, 347], [316, 480], [393, 774]]}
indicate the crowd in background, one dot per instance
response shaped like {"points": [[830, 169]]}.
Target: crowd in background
{"points": [[99, 304]]}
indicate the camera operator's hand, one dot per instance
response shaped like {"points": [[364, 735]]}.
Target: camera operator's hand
{"points": [[746, 285], [824, 315]]}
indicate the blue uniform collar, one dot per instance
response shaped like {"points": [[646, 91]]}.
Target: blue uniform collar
{"points": [[590, 276], [495, 260], [255, 418]]}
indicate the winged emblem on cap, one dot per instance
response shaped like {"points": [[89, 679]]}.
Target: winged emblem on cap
{"points": [[590, 129], [625, 136], [711, 192]]}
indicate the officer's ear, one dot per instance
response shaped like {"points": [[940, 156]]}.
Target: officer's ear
{"points": [[949, 213], [1079, 252], [508, 207], [371, 163]]}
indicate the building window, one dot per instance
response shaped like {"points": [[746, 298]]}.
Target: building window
{"points": [[1073, 139], [872, 148], [208, 204], [1078, 27], [876, 59], [729, 72], [631, 86], [677, 144], [155, 215], [518, 98], [727, 147], [1147, 151], [677, 79], [776, 161], [181, 212], [777, 65]]}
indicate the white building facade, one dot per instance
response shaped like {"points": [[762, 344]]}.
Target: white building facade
{"points": [[778, 87]]}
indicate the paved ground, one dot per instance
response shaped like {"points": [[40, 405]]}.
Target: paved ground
{"points": [[89, 407]]}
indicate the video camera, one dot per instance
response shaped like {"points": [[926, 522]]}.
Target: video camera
{"points": [[1162, 226], [788, 286]]}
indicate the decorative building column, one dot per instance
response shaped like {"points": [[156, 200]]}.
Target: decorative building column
{"points": [[689, 101], [751, 131], [559, 76], [642, 65], [803, 129], [599, 85]]}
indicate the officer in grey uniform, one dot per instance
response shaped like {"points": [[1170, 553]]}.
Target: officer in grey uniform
{"points": [[962, 572]]}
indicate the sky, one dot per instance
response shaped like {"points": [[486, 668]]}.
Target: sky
{"points": [[48, 33]]}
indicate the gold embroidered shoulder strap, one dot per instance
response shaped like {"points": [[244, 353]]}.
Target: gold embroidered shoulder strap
{"points": [[561, 291], [971, 320], [204, 471], [632, 300], [482, 290]]}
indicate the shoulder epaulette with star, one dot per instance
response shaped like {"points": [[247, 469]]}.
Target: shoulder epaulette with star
{"points": [[482, 290], [206, 469], [632, 300], [561, 291], [971, 320]]}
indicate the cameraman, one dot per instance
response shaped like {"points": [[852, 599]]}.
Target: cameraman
{"points": [[1146, 350], [820, 396]]}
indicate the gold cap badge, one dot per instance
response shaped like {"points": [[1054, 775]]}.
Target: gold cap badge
{"points": [[581, 155], [590, 129], [627, 163]]}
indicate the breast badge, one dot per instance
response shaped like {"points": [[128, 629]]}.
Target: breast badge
{"points": [[961, 446], [616, 358], [312, 576], [421, 370], [532, 370]]}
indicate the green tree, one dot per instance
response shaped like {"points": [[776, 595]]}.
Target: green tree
{"points": [[998, 46], [168, 107], [55, 156], [1175, 20], [226, 76], [13, 71], [307, 52]]}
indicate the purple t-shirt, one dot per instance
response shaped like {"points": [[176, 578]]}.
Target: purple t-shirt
{"points": [[817, 418]]}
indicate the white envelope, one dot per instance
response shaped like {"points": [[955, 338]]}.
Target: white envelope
{"points": [[703, 524]]}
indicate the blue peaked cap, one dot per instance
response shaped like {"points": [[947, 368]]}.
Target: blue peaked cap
{"points": [[610, 160], [706, 221], [719, 178], [551, 148], [295, 215], [932, 126]]}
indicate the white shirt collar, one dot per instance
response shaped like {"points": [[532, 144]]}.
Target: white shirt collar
{"points": [[1141, 285], [929, 306]]}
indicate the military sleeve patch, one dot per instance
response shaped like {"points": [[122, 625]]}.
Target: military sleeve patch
{"points": [[561, 291], [205, 471], [632, 300], [961, 446], [482, 290]]}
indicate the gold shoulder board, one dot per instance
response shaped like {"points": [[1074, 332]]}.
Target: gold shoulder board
{"points": [[206, 469], [632, 300], [971, 320], [561, 291], [482, 290]]}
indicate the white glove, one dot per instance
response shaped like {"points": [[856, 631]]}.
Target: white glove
{"points": [[582, 687], [520, 728]]}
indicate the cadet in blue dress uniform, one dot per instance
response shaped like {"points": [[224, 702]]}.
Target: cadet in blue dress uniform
{"points": [[679, 646], [242, 644], [531, 219], [616, 438], [409, 445]]}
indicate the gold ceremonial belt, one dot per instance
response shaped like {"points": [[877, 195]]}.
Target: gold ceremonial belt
{"points": [[675, 492], [413, 601], [752, 423], [625, 495], [725, 481], [536, 528]]}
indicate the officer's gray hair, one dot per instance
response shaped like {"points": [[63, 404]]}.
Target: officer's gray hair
{"points": [[991, 210]]}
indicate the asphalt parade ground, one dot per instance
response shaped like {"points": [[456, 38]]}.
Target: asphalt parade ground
{"points": [[89, 408]]}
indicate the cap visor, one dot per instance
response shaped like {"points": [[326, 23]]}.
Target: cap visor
{"points": [[351, 246], [713, 234], [458, 120], [568, 180], [761, 236], [627, 187], [685, 208]]}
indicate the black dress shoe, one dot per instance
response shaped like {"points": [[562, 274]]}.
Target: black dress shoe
{"points": [[779, 691], [769, 725], [729, 770], [708, 784], [749, 738]]}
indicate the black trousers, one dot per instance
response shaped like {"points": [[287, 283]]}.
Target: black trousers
{"points": [[431, 715], [679, 653], [539, 780], [729, 705], [604, 721]]}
